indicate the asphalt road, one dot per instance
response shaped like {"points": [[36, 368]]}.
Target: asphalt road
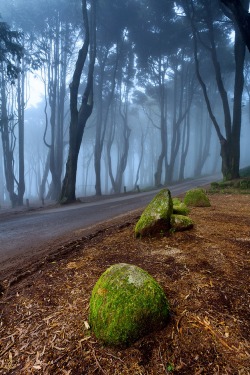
{"points": [[23, 234]]}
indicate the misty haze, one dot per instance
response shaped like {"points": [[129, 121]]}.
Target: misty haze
{"points": [[119, 96], [124, 187]]}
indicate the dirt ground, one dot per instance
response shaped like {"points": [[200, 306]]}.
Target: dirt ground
{"points": [[204, 273]]}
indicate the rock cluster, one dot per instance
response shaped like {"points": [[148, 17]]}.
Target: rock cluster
{"points": [[162, 215]]}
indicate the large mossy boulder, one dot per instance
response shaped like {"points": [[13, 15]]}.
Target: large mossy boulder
{"points": [[156, 216], [126, 303], [196, 198]]}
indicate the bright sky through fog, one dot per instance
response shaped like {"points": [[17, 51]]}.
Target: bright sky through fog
{"points": [[36, 90]]}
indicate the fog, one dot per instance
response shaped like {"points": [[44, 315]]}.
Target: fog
{"points": [[167, 98]]}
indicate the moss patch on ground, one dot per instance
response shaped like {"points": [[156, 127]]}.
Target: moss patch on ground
{"points": [[237, 186]]}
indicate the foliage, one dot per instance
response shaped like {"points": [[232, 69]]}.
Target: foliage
{"points": [[148, 107], [236, 186], [10, 49], [245, 172]]}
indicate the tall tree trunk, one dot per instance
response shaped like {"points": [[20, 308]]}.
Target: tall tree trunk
{"points": [[230, 144], [42, 187], [143, 138], [7, 150], [20, 109], [185, 146], [2, 179], [102, 119], [180, 112], [79, 118], [163, 128], [239, 54]]}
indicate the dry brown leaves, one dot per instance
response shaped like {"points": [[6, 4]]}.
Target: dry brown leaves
{"points": [[204, 272]]}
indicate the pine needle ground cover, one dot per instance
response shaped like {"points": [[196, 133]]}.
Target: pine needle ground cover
{"points": [[204, 273]]}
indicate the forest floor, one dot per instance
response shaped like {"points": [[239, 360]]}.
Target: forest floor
{"points": [[204, 273]]}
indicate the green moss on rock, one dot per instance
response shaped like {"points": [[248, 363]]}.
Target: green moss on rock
{"points": [[179, 208], [156, 216], [196, 198], [126, 303], [181, 222]]}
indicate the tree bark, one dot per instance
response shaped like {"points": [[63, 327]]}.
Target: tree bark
{"points": [[230, 144], [79, 118], [163, 126], [7, 149], [239, 55], [20, 110]]}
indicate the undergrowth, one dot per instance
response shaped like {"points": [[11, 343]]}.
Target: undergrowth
{"points": [[237, 186]]}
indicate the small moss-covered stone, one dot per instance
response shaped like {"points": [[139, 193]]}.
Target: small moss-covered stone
{"points": [[196, 198], [181, 222], [156, 216], [126, 303], [179, 208], [176, 201]]}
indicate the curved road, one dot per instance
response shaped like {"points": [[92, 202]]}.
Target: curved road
{"points": [[22, 234]]}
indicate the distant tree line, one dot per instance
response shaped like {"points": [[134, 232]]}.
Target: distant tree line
{"points": [[154, 82]]}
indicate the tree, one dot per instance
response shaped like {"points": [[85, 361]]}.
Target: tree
{"points": [[56, 45], [11, 50], [80, 116], [115, 19], [120, 120], [230, 140], [108, 60], [238, 10]]}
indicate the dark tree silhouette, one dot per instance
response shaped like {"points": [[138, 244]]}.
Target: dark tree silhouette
{"points": [[239, 11], [80, 116], [10, 49]]}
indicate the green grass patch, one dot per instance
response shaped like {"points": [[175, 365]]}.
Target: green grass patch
{"points": [[236, 186], [245, 172]]}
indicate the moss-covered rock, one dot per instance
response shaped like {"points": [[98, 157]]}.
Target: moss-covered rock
{"points": [[156, 216], [196, 198], [181, 222], [179, 208], [126, 303]]}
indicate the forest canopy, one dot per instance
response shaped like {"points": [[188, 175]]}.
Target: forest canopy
{"points": [[101, 97]]}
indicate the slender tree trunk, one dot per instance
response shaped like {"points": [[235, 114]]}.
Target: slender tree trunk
{"points": [[163, 130], [2, 179], [143, 137], [230, 144], [102, 120], [20, 106], [239, 53], [7, 150], [79, 118], [45, 177], [185, 146]]}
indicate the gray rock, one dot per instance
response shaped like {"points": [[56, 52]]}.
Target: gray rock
{"points": [[156, 216]]}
